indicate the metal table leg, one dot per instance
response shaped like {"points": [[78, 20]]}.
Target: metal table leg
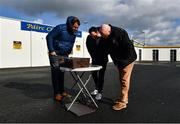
{"points": [[83, 84], [76, 82]]}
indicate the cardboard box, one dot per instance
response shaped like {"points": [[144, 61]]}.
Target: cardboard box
{"points": [[75, 62]]}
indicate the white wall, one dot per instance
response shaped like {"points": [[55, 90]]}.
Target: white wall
{"points": [[178, 54], [137, 52], [39, 50], [10, 57], [164, 54], [82, 51], [85, 51], [34, 48], [78, 49], [147, 55]]}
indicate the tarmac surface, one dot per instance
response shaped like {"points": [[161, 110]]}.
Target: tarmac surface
{"points": [[26, 96]]}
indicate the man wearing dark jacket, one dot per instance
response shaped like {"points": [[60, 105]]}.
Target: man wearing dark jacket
{"points": [[99, 55], [60, 42], [123, 54]]}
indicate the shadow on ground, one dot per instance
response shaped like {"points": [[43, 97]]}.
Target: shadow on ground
{"points": [[35, 91]]}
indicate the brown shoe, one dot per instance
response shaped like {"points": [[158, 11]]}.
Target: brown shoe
{"points": [[65, 94], [119, 106], [117, 101], [58, 97]]}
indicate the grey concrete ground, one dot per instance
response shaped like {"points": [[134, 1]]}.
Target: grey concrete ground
{"points": [[26, 96]]}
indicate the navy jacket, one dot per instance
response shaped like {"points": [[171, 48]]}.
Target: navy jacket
{"points": [[61, 39], [121, 48]]}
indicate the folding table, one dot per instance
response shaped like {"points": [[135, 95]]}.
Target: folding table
{"points": [[77, 75]]}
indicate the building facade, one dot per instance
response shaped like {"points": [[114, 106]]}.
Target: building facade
{"points": [[23, 44], [158, 53]]}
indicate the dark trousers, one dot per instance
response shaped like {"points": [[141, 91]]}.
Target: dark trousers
{"points": [[57, 76], [98, 77]]}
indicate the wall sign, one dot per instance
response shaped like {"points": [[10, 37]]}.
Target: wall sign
{"points": [[35, 27], [27, 26], [17, 44], [78, 47]]}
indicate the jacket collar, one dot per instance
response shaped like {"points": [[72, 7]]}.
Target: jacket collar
{"points": [[112, 31]]}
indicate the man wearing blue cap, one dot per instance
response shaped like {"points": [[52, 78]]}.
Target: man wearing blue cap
{"points": [[60, 42]]}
